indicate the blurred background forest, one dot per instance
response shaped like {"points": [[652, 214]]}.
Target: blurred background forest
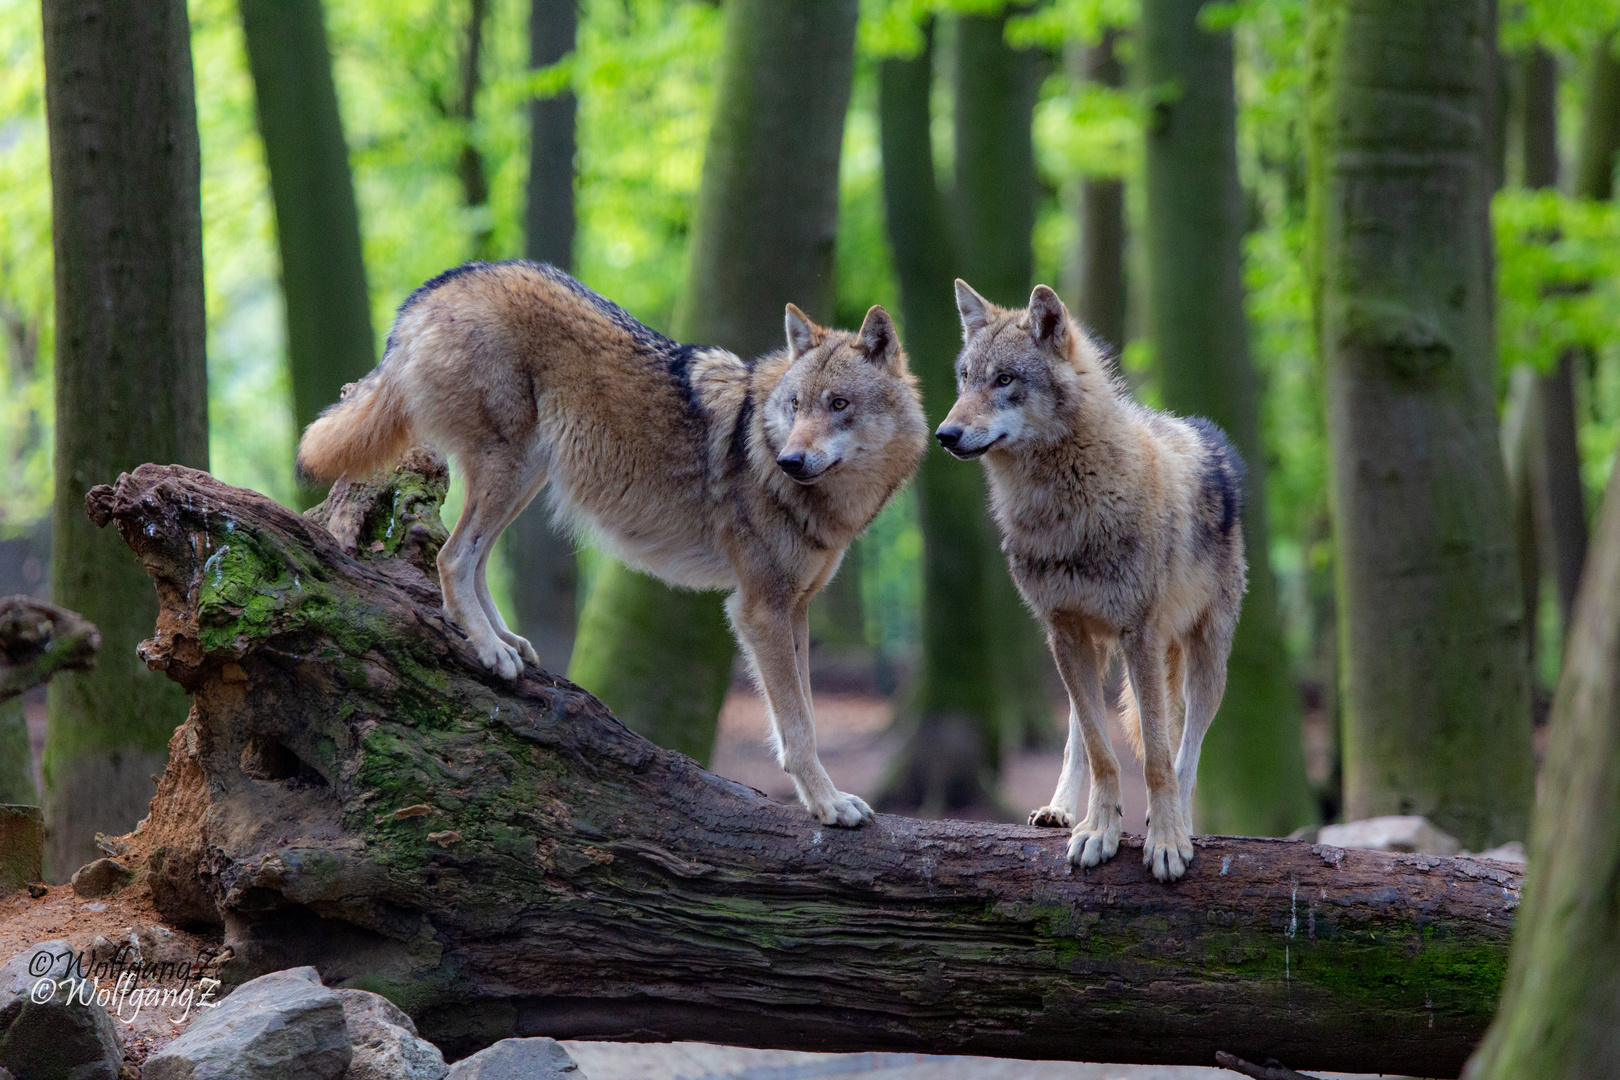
{"points": [[437, 100]]}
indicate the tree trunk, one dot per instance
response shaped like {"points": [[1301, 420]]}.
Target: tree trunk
{"points": [[766, 225], [540, 558], [1436, 702], [1565, 494], [1522, 445], [943, 764], [470, 163], [1098, 206], [1600, 127], [995, 91], [1538, 124], [323, 274], [507, 859], [131, 378], [1559, 1014], [1252, 778]]}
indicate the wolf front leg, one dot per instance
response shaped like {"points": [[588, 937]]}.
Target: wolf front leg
{"points": [[766, 632], [1169, 848], [1079, 662]]}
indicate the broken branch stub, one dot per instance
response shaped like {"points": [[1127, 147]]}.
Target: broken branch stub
{"points": [[37, 640], [353, 791]]}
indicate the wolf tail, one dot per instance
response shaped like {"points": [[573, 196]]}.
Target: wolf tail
{"points": [[1130, 713], [359, 435]]}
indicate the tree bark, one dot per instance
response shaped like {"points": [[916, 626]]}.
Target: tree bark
{"points": [[508, 859], [1098, 206], [542, 569], [131, 379], [470, 162], [1538, 122], [1436, 694], [323, 274], [1560, 1015], [764, 237], [1600, 127], [1252, 776], [942, 766], [995, 87]]}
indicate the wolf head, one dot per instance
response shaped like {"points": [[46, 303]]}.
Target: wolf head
{"points": [[1021, 375], [843, 396]]}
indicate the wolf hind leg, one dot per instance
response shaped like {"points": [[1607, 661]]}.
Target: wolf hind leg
{"points": [[1168, 848], [1206, 649], [535, 479], [767, 634], [495, 484], [1079, 659]]}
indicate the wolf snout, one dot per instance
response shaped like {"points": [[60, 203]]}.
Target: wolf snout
{"points": [[949, 435], [792, 463]]}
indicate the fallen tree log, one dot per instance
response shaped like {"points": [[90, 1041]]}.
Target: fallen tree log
{"points": [[352, 791]]}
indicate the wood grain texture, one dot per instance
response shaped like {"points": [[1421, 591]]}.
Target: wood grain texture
{"points": [[352, 790]]}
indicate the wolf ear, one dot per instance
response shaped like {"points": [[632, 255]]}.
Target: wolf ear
{"points": [[1048, 318], [975, 309], [802, 334], [877, 337]]}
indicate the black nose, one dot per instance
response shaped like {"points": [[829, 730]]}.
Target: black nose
{"points": [[948, 437], [792, 464]]}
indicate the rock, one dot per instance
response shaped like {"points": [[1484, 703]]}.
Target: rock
{"points": [[101, 878], [1406, 833], [1512, 851], [22, 846], [281, 1026], [386, 1046], [58, 1038], [518, 1059]]}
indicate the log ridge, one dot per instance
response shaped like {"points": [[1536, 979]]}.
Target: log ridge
{"points": [[352, 790]]}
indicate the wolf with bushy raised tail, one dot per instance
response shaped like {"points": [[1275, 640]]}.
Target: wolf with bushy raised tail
{"points": [[1121, 528], [687, 462]]}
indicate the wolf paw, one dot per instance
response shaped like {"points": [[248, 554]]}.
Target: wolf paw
{"points": [[1092, 844], [1051, 817], [500, 658], [1169, 848], [842, 809], [521, 644]]}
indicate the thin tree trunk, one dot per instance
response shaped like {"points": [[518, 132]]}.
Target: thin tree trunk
{"points": [[1560, 1014], [766, 226], [470, 163], [131, 379], [994, 211], [1252, 777], [506, 859], [1436, 701], [942, 765], [323, 275], [1522, 445], [1098, 206], [543, 572], [1538, 125], [1600, 127], [1565, 495]]}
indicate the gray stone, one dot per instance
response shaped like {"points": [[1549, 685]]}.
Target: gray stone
{"points": [[518, 1059], [281, 1026], [61, 1037], [386, 1046], [101, 878], [1404, 832], [1512, 851]]}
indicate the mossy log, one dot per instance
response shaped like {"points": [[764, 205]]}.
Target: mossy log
{"points": [[351, 790], [37, 640]]}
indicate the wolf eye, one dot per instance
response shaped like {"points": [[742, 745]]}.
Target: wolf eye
{"points": [[1004, 379], [839, 404], [795, 404]]}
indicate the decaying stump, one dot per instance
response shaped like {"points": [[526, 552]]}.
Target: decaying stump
{"points": [[351, 790], [37, 640]]}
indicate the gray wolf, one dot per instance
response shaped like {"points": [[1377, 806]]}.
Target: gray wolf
{"points": [[1121, 529], [687, 462]]}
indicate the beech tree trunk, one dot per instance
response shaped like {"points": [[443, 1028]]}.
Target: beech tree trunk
{"points": [[1252, 773], [1097, 204], [767, 222], [1436, 690], [323, 273], [1600, 127], [542, 570], [354, 791], [943, 764], [131, 378], [1560, 1016]]}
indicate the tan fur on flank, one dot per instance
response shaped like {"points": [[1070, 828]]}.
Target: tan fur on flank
{"points": [[1121, 527], [677, 459]]}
